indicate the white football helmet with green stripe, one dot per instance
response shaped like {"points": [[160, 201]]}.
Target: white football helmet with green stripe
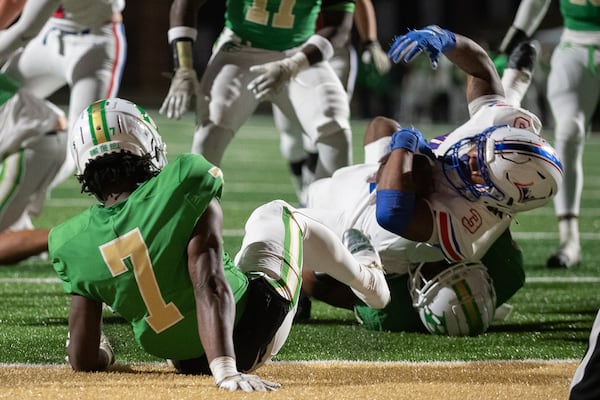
{"points": [[458, 301], [115, 125]]}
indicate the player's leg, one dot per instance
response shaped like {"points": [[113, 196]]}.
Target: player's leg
{"points": [[26, 175], [94, 70], [321, 104], [573, 90], [18, 245], [297, 150], [271, 237], [377, 137], [518, 73], [345, 65], [224, 103]]}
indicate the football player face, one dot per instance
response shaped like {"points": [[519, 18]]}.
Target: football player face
{"points": [[473, 166]]}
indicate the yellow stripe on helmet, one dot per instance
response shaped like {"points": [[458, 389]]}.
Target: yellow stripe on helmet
{"points": [[97, 120]]}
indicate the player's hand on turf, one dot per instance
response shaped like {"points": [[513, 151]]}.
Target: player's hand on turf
{"points": [[183, 86], [373, 53], [432, 40], [274, 75], [247, 383]]}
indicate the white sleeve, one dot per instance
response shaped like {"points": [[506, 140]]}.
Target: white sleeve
{"points": [[482, 101], [34, 16], [530, 15]]}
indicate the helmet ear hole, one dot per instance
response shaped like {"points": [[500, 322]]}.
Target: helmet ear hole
{"points": [[459, 300]]}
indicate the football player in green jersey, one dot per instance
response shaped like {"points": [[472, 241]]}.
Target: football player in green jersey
{"points": [[152, 250], [573, 92], [267, 51]]}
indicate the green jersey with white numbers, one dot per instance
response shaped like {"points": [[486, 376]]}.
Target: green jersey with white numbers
{"points": [[581, 15], [278, 24], [132, 256], [8, 88]]}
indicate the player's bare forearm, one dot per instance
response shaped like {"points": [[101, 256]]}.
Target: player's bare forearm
{"points": [[337, 26], [183, 12], [365, 20], [85, 321], [482, 76], [396, 173], [9, 11], [215, 306]]}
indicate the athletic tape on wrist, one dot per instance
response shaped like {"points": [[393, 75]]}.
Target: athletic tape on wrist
{"points": [[223, 367], [324, 46], [181, 39], [182, 32]]}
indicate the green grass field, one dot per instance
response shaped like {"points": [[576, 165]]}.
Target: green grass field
{"points": [[551, 318]]}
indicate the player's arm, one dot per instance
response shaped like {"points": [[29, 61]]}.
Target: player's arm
{"points": [[215, 305], [366, 25], [9, 11], [400, 207], [337, 19], [34, 15], [482, 77], [85, 350], [181, 36], [337, 23]]}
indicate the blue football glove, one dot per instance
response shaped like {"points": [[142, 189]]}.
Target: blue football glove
{"points": [[432, 39], [411, 140]]}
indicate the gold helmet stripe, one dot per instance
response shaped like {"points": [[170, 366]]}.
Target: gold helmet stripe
{"points": [[97, 121]]}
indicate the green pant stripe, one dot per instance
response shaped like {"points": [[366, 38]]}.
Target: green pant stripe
{"points": [[291, 269], [11, 171]]}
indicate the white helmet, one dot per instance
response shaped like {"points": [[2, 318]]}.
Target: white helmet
{"points": [[458, 301], [520, 169], [115, 125]]}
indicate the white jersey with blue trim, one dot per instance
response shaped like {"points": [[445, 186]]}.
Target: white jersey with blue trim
{"points": [[465, 230], [487, 111], [347, 199]]}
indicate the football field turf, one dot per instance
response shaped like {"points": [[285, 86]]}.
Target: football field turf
{"points": [[551, 318]]}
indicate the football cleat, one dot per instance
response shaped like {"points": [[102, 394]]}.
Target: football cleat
{"points": [[523, 57], [374, 290], [567, 256]]}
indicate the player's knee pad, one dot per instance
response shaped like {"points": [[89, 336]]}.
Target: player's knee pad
{"points": [[211, 140]]}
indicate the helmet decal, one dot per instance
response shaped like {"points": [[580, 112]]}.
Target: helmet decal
{"points": [[453, 299], [470, 309], [434, 323], [97, 119], [116, 125]]}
